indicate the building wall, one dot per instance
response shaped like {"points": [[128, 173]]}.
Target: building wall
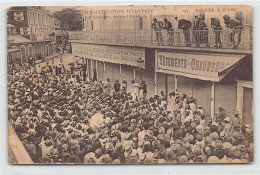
{"points": [[128, 76], [161, 86], [170, 83], [201, 91], [35, 22], [17, 16], [31, 49], [41, 24], [139, 21], [100, 70], [248, 107], [226, 95]]}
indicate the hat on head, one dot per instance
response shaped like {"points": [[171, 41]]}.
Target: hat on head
{"points": [[219, 153], [242, 149], [247, 125], [199, 17], [199, 128], [175, 147], [118, 146], [199, 137], [227, 119], [220, 109], [228, 139], [182, 150], [142, 157], [208, 151], [161, 130], [214, 136], [213, 159], [227, 145], [226, 17], [237, 154], [116, 161], [183, 159], [235, 135], [161, 161], [223, 134], [218, 144], [189, 137], [98, 152]]}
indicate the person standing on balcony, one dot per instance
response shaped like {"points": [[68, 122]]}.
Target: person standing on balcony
{"points": [[236, 28], [168, 27], [157, 27], [200, 31], [185, 25], [215, 24]]}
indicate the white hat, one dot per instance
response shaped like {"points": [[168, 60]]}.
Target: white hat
{"points": [[227, 119]]}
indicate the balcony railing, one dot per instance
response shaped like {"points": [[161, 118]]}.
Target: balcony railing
{"points": [[34, 38], [239, 38]]}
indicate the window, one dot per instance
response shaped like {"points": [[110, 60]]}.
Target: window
{"points": [[30, 50], [24, 31], [18, 16], [23, 52], [34, 20], [92, 25], [31, 17], [141, 23], [39, 19], [11, 31]]}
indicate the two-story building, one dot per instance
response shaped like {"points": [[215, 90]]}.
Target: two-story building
{"points": [[31, 29], [213, 65]]}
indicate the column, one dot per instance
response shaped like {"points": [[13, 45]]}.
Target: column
{"points": [[240, 99], [175, 83], [86, 59], [91, 69], [120, 72], [212, 103], [97, 69], [105, 75], [166, 87], [155, 83], [134, 73]]}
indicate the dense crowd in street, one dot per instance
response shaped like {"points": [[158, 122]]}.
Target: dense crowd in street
{"points": [[95, 122]]}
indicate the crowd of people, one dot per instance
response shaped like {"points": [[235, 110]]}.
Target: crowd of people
{"points": [[199, 31], [92, 122]]}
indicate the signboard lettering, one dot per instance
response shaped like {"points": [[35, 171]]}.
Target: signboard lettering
{"points": [[196, 64], [114, 54]]}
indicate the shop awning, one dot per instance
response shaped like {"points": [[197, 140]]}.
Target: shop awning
{"points": [[112, 54], [209, 67]]}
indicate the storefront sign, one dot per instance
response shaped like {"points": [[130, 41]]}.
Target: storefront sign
{"points": [[113, 54], [208, 65]]}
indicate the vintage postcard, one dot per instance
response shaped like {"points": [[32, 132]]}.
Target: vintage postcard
{"points": [[130, 84]]}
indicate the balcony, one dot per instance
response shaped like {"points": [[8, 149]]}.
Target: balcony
{"points": [[210, 38], [46, 38]]}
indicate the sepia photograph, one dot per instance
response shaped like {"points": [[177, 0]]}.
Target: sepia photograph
{"points": [[136, 84]]}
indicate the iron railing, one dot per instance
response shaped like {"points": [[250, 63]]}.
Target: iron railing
{"points": [[228, 38]]}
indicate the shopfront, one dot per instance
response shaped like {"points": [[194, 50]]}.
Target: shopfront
{"points": [[112, 62], [201, 76]]}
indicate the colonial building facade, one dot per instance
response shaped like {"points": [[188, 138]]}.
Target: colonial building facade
{"points": [[30, 30], [212, 65]]}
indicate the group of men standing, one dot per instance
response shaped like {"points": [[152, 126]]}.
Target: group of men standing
{"points": [[199, 32]]}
